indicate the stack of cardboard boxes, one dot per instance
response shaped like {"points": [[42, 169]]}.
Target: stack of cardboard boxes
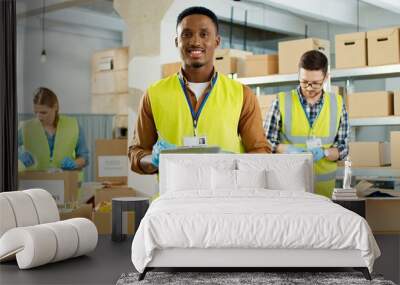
{"points": [[112, 171], [62, 185], [290, 52], [257, 65], [232, 61], [372, 48], [110, 81], [369, 105], [226, 60]]}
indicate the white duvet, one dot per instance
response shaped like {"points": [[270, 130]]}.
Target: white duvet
{"points": [[253, 218]]}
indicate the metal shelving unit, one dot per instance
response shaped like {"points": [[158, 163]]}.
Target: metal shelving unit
{"points": [[376, 121], [370, 72], [272, 80]]}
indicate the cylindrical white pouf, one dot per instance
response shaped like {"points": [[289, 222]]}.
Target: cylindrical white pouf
{"points": [[45, 205], [87, 234], [7, 218], [67, 240]]}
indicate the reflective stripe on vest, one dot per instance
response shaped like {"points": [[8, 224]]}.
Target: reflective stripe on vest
{"points": [[296, 130], [35, 141], [219, 118], [287, 123]]}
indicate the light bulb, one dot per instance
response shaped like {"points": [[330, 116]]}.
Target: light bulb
{"points": [[43, 56]]}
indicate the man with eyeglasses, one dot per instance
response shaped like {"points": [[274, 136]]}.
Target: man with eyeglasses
{"points": [[308, 119]]}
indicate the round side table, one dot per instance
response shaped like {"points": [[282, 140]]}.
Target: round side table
{"points": [[122, 204]]}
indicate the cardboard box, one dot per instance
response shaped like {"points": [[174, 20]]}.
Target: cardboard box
{"points": [[110, 59], [265, 102], [290, 52], [111, 160], [395, 149], [112, 103], [63, 186], [383, 214], [106, 194], [373, 154], [83, 211], [257, 65], [170, 68], [396, 103], [383, 46], [370, 104], [103, 222], [351, 50], [226, 59], [110, 82]]}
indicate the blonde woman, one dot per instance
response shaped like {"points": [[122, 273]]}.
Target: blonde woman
{"points": [[51, 140]]}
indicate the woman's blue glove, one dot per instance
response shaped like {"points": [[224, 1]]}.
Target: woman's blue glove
{"points": [[26, 158], [317, 152], [157, 147], [294, 149], [68, 164]]}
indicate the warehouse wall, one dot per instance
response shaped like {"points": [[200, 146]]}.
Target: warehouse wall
{"points": [[68, 67]]}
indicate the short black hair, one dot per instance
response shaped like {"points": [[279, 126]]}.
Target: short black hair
{"points": [[197, 10], [314, 60]]}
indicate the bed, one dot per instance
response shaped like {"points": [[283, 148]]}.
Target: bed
{"points": [[246, 211]]}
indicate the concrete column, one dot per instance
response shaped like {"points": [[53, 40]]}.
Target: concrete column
{"points": [[143, 36]]}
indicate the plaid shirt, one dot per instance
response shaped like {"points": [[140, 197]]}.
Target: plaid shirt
{"points": [[273, 124]]}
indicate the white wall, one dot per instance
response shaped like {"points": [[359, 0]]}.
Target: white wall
{"points": [[67, 70]]}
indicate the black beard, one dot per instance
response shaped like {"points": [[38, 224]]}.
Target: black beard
{"points": [[197, 65]]}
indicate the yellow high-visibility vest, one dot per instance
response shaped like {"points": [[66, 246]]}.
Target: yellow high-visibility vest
{"points": [[35, 141], [296, 130], [218, 119]]}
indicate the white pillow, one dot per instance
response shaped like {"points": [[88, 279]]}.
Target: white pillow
{"points": [[223, 179], [294, 179], [235, 179], [283, 173], [183, 177], [251, 178]]}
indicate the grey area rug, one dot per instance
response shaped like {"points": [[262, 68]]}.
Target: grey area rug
{"points": [[229, 278]]}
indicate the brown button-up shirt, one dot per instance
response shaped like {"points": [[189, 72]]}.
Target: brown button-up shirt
{"points": [[250, 126]]}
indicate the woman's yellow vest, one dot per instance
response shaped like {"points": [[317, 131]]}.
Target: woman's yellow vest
{"points": [[218, 120], [35, 141], [296, 130]]}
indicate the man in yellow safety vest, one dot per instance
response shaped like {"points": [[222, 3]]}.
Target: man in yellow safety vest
{"points": [[197, 105], [311, 119]]}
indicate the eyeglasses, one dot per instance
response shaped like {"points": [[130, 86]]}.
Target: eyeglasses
{"points": [[314, 85]]}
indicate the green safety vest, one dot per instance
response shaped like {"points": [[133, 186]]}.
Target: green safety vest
{"points": [[218, 120], [35, 141], [296, 130]]}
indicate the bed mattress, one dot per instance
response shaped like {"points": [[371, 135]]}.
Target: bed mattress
{"points": [[250, 219]]}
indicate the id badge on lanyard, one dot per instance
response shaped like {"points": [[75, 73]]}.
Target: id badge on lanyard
{"points": [[196, 140], [313, 142]]}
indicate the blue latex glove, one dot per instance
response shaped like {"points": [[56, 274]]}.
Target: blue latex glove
{"points": [[294, 149], [26, 158], [317, 152], [157, 147], [68, 164]]}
